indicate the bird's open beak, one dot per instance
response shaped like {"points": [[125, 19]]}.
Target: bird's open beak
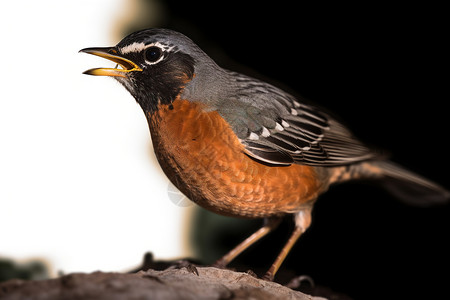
{"points": [[111, 54]]}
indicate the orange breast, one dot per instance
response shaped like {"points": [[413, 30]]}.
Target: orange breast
{"points": [[202, 156]]}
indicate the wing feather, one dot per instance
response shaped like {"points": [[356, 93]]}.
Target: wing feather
{"points": [[277, 128]]}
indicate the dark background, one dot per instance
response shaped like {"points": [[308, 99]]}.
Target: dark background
{"points": [[381, 69]]}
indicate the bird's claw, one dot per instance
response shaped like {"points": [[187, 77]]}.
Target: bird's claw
{"points": [[296, 282], [185, 264]]}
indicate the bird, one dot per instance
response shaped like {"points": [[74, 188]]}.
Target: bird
{"points": [[241, 147]]}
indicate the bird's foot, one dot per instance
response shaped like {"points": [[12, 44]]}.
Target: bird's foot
{"points": [[298, 281], [220, 264], [185, 264], [268, 276]]}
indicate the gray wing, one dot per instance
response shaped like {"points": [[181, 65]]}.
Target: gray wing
{"points": [[277, 129]]}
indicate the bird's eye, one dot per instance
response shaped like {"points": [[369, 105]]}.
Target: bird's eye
{"points": [[153, 54]]}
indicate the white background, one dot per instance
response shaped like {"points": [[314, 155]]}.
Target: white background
{"points": [[79, 184]]}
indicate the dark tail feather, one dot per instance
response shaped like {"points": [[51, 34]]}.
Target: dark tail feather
{"points": [[410, 187]]}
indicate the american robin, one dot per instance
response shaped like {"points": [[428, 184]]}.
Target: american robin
{"points": [[239, 146]]}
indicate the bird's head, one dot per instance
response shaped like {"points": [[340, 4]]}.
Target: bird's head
{"points": [[154, 65]]}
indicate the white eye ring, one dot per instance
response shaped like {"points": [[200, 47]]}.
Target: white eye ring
{"points": [[153, 54], [163, 49]]}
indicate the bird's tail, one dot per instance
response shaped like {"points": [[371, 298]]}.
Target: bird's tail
{"points": [[404, 184]]}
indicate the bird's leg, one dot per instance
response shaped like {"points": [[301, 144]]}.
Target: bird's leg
{"points": [[269, 225], [302, 222]]}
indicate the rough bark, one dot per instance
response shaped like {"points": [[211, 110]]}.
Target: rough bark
{"points": [[172, 283]]}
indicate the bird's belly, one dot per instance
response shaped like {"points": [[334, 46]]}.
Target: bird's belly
{"points": [[202, 156]]}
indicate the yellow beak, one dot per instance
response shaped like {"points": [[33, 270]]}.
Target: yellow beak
{"points": [[111, 54]]}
